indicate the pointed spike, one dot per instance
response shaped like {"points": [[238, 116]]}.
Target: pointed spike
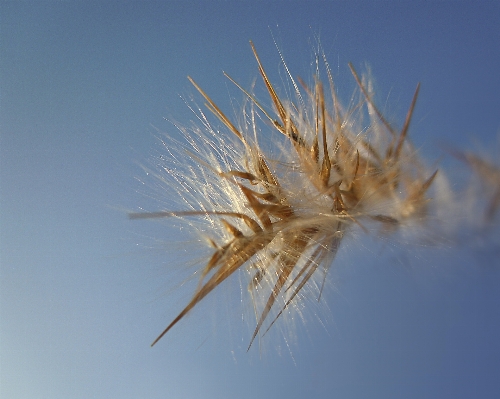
{"points": [[290, 129], [406, 125], [327, 166], [304, 280], [231, 229], [370, 101], [240, 255], [298, 245], [428, 182], [217, 112]]}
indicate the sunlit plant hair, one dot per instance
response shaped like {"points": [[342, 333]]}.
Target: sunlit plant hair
{"points": [[282, 214]]}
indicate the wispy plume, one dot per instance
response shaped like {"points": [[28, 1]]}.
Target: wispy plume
{"points": [[281, 214]]}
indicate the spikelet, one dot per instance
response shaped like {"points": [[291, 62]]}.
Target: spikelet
{"points": [[283, 218]]}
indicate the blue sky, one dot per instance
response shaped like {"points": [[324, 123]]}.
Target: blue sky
{"points": [[84, 86]]}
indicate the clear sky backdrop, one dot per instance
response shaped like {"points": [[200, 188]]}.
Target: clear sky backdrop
{"points": [[84, 86]]}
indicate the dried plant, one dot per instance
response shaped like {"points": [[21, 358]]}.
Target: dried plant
{"points": [[281, 215]]}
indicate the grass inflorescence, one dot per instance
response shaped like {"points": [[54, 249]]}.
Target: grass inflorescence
{"points": [[282, 215]]}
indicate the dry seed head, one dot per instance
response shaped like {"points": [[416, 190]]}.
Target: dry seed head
{"points": [[282, 219]]}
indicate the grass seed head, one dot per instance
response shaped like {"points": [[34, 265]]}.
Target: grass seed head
{"points": [[282, 218]]}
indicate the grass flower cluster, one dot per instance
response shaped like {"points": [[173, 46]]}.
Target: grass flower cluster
{"points": [[281, 214]]}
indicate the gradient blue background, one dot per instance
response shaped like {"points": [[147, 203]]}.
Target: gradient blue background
{"points": [[84, 85]]}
